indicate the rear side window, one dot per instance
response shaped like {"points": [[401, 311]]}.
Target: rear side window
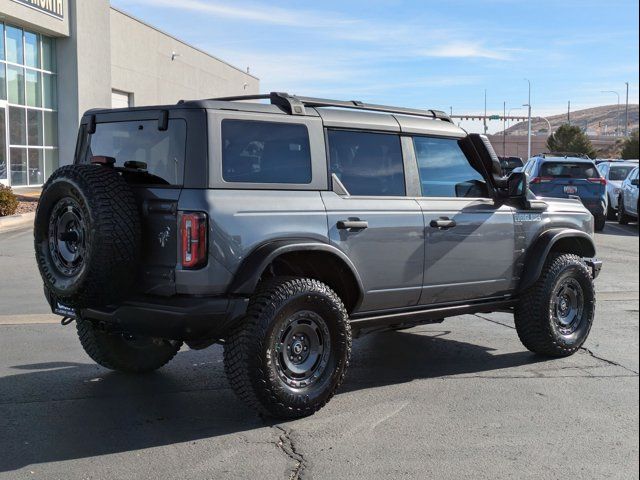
{"points": [[445, 171], [618, 173], [569, 170], [367, 163], [163, 152], [265, 152]]}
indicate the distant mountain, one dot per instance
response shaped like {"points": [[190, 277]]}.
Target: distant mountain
{"points": [[595, 121]]}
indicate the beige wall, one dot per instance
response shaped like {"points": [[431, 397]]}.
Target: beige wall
{"points": [[141, 64], [516, 145]]}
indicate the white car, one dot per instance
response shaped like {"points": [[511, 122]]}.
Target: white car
{"points": [[615, 172], [628, 198]]}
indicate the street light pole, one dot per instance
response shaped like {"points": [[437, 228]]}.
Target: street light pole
{"points": [[617, 110], [485, 111], [626, 112], [504, 129], [529, 122]]}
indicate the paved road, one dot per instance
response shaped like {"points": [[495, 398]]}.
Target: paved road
{"points": [[458, 400]]}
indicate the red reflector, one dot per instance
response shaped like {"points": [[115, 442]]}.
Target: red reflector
{"points": [[601, 181], [541, 179], [193, 233]]}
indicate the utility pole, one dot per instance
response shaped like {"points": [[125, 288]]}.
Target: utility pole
{"points": [[485, 111], [529, 122], [504, 129], [569, 113], [617, 110], [626, 113]]}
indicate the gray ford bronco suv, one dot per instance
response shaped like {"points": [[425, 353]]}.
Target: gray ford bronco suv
{"points": [[283, 229]]}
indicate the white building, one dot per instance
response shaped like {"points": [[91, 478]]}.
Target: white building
{"points": [[59, 58]]}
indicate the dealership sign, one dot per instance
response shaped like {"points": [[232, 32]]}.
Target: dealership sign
{"points": [[52, 7]]}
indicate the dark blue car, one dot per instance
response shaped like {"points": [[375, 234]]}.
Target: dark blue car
{"points": [[569, 177]]}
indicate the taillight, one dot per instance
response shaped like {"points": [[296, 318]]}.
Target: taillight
{"points": [[193, 231], [541, 180], [600, 180]]}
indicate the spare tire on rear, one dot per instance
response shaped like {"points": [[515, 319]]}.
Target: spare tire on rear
{"points": [[87, 236]]}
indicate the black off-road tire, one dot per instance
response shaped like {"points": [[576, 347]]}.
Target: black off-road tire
{"points": [[253, 353], [600, 222], [102, 206], [623, 217], [125, 353], [539, 332]]}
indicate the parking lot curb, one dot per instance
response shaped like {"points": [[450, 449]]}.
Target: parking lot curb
{"points": [[14, 222]]}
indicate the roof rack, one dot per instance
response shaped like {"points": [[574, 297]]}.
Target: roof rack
{"points": [[296, 105], [564, 154]]}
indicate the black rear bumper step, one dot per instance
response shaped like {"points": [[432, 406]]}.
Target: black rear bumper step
{"points": [[179, 318]]}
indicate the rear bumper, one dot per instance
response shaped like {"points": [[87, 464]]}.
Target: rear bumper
{"points": [[594, 265], [180, 318]]}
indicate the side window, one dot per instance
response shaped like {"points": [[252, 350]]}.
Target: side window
{"points": [[445, 171], [265, 152], [367, 163]]}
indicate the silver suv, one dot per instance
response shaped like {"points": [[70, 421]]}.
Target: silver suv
{"points": [[284, 229]]}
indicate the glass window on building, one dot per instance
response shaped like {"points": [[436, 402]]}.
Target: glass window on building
{"points": [[28, 104]]}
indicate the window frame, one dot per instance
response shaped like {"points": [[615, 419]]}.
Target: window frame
{"points": [[490, 193], [408, 192], [316, 149]]}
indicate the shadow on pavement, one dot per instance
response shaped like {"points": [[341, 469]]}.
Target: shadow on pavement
{"points": [[617, 230], [60, 411]]}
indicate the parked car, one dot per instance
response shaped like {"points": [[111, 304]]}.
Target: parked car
{"points": [[628, 198], [615, 172], [282, 230], [509, 164], [569, 177]]}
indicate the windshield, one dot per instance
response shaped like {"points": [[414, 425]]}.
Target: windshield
{"points": [[619, 172], [569, 170]]}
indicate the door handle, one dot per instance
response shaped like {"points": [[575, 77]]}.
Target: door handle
{"points": [[352, 225], [443, 223]]}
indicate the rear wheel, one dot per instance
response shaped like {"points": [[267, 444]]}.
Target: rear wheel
{"points": [[555, 315], [290, 354], [600, 222], [123, 352]]}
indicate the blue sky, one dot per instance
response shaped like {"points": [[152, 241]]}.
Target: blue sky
{"points": [[435, 54]]}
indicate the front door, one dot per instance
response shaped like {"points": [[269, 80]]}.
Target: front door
{"points": [[4, 150], [470, 241], [376, 225]]}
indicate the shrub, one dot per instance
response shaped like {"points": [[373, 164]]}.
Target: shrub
{"points": [[570, 139], [630, 146], [8, 201]]}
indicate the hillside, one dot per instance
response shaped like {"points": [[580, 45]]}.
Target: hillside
{"points": [[596, 121]]}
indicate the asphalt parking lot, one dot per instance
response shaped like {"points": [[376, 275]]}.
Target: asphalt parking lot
{"points": [[462, 399]]}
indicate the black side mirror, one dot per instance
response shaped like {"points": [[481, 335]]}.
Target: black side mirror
{"points": [[634, 182], [517, 185]]}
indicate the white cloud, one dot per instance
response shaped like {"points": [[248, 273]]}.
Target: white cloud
{"points": [[464, 50]]}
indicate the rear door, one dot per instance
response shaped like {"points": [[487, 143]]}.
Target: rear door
{"points": [[153, 154], [470, 239], [376, 225]]}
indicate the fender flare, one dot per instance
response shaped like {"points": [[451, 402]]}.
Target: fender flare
{"points": [[253, 266], [539, 252]]}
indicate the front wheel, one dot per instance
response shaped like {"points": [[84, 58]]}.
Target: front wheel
{"points": [[555, 315], [290, 354]]}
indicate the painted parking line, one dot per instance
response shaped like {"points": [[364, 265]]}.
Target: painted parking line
{"points": [[29, 319]]}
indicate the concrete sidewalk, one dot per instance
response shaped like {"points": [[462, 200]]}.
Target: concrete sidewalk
{"points": [[15, 222]]}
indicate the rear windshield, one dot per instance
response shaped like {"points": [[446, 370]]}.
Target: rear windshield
{"points": [[511, 163], [569, 170], [162, 152], [620, 172]]}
